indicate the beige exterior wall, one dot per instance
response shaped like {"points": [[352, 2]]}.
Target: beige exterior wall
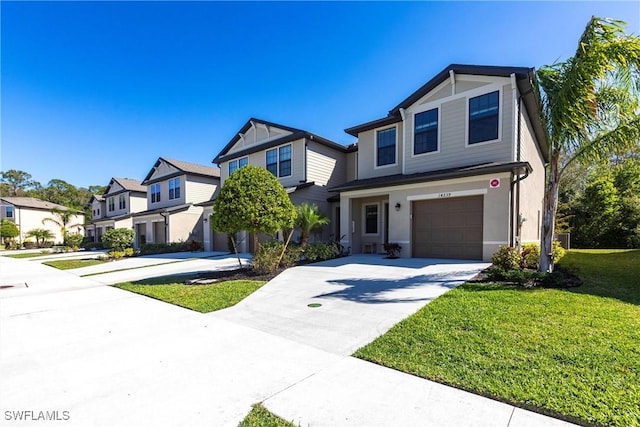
{"points": [[453, 148], [259, 159], [495, 214], [182, 226], [367, 155], [97, 206], [326, 166], [532, 188], [137, 203], [199, 189], [164, 194], [352, 166], [28, 219]]}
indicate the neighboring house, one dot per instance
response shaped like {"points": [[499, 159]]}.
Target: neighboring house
{"points": [[307, 165], [454, 171], [29, 213], [115, 208], [175, 190]]}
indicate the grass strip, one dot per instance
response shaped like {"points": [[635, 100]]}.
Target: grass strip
{"points": [[568, 352], [69, 264], [201, 298], [261, 417]]}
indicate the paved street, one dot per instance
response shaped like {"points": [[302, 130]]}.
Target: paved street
{"points": [[113, 358]]}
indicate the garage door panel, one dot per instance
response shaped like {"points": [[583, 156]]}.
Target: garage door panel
{"points": [[448, 228]]}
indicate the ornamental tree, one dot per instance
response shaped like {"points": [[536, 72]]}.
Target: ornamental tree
{"points": [[252, 200]]}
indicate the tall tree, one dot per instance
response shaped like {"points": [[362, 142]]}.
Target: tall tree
{"points": [[16, 182], [62, 218], [590, 106]]}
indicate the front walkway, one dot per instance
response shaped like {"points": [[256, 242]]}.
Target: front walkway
{"points": [[114, 358]]}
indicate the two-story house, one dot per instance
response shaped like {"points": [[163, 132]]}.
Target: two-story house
{"points": [[307, 165], [175, 192], [29, 213], [115, 208], [454, 171]]}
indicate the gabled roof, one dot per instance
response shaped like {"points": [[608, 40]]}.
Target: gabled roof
{"points": [[33, 203], [183, 167], [96, 197], [437, 175], [525, 78], [295, 135], [127, 185]]}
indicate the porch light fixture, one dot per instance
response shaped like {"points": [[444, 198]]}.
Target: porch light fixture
{"points": [[398, 206]]}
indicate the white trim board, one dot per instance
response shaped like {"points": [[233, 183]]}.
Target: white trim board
{"points": [[448, 194]]}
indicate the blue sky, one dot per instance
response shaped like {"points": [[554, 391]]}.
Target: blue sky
{"points": [[92, 90]]}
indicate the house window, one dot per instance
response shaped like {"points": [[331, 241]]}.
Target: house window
{"points": [[279, 161], [425, 138], [483, 118], [122, 202], [284, 158], [234, 165], [371, 219], [112, 204], [155, 193], [272, 161], [174, 188], [98, 211], [8, 210], [386, 147]]}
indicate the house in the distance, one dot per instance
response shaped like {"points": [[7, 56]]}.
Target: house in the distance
{"points": [[453, 171], [306, 164], [115, 208], [29, 213], [175, 192]]}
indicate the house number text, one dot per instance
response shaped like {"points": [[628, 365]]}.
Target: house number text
{"points": [[441, 195]]}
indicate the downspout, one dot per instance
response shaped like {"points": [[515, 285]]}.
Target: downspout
{"points": [[164, 214], [304, 161], [403, 114], [518, 156]]}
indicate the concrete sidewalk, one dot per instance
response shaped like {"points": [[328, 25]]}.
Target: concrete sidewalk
{"points": [[114, 358]]}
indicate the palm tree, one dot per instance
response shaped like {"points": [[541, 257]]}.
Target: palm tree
{"points": [[62, 219], [41, 235], [309, 220], [590, 107]]}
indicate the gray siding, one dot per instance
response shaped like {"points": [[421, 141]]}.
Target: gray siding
{"points": [[325, 166], [257, 136], [367, 154], [164, 194]]}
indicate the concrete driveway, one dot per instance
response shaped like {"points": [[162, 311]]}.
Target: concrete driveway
{"points": [[360, 298], [101, 356]]}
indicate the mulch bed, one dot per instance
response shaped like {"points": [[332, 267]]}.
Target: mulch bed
{"points": [[566, 279]]}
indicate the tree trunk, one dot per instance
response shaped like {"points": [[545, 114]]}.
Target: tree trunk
{"points": [[549, 214], [235, 248]]}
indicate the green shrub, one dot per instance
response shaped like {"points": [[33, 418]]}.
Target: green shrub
{"points": [[195, 246], [118, 239], [116, 255], [73, 240], [163, 248], [319, 251], [129, 252], [530, 256], [265, 260], [93, 245], [392, 249], [507, 258], [558, 251]]}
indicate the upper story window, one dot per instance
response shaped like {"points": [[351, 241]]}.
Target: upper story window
{"points": [[425, 137], [8, 211], [483, 117], [234, 165], [111, 204], [371, 219], [174, 188], [155, 193], [122, 202], [279, 161], [386, 147]]}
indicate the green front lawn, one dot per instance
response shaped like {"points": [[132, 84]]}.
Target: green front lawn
{"points": [[573, 353], [27, 255], [202, 298], [68, 264], [261, 417]]}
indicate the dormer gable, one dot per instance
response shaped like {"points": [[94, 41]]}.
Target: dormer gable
{"points": [[165, 168], [121, 185]]}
